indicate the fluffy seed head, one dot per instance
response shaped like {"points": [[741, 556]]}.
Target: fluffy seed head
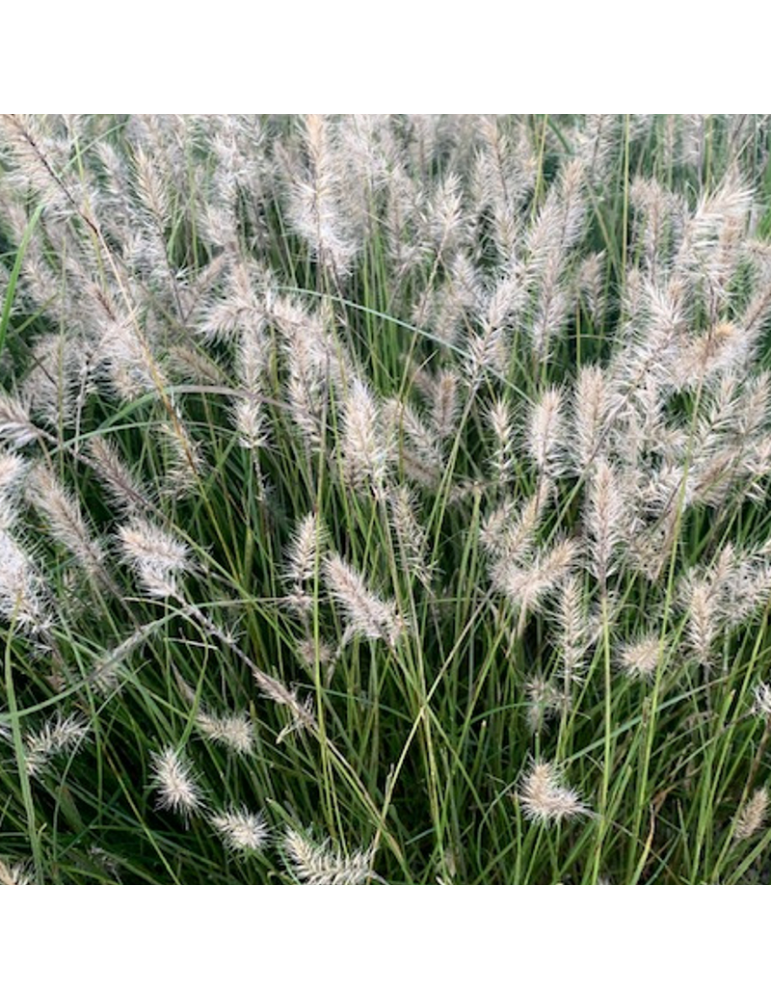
{"points": [[762, 700], [128, 359], [301, 712], [526, 586], [544, 799], [232, 731], [410, 534], [590, 413], [319, 864], [303, 551], [545, 432], [752, 815], [363, 452], [604, 519], [173, 778], [367, 615], [58, 735], [14, 875], [64, 518], [574, 638], [704, 615], [242, 831], [116, 476], [315, 204], [20, 587], [16, 426], [544, 701], [249, 419], [157, 557], [416, 445], [499, 419], [639, 659], [445, 404], [11, 471]]}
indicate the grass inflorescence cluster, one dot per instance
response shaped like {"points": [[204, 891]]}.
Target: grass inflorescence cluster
{"points": [[383, 499]]}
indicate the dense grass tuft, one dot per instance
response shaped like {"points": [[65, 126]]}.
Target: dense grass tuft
{"points": [[383, 499]]}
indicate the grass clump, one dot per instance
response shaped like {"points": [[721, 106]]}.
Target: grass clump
{"points": [[383, 499]]}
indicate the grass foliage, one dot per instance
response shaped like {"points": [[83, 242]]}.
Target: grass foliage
{"points": [[383, 499]]}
